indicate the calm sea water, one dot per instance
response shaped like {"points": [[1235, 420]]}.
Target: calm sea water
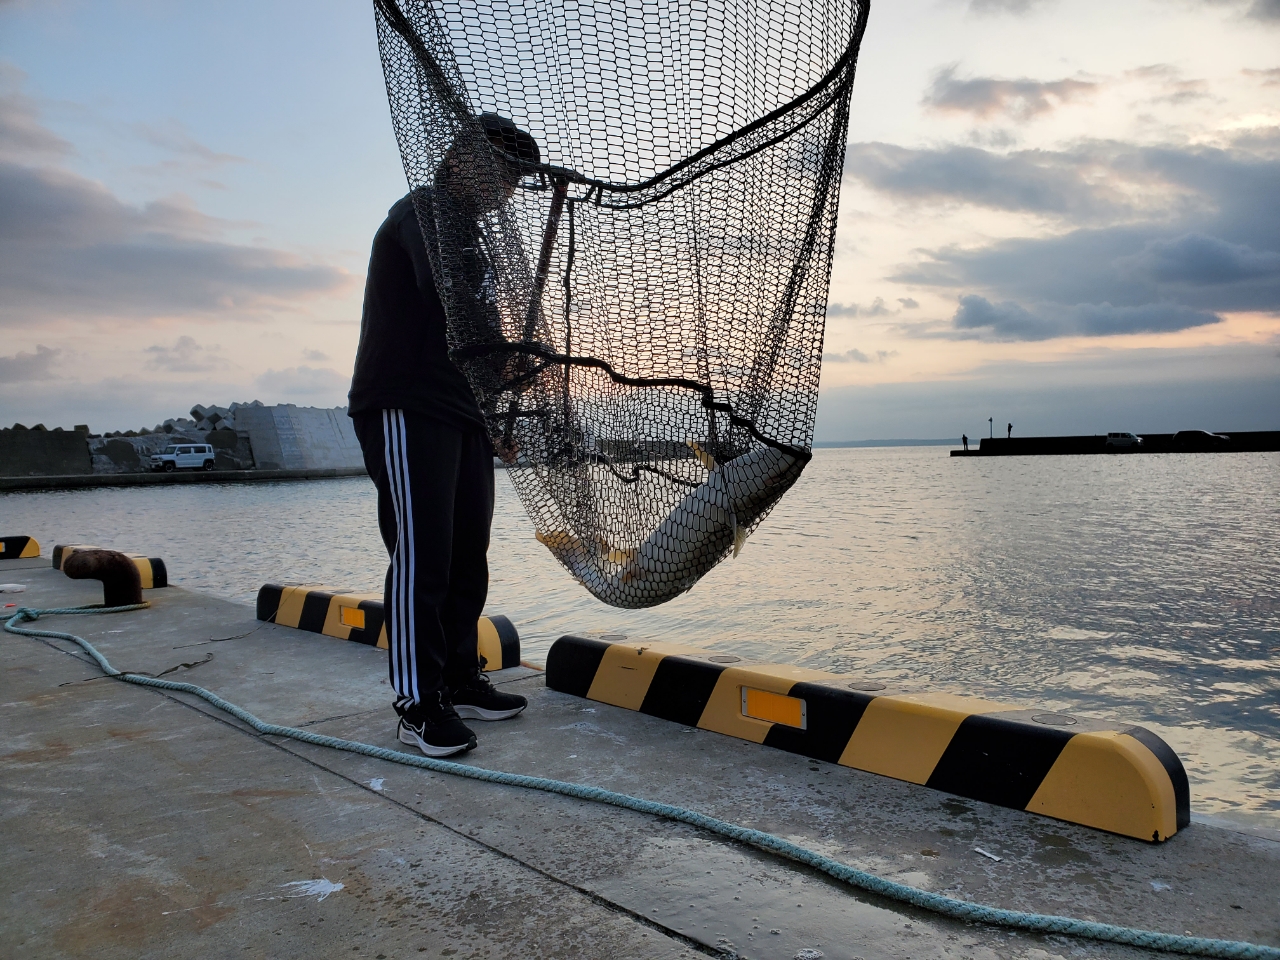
{"points": [[1142, 588]]}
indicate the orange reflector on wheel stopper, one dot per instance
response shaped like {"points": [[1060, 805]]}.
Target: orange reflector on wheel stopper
{"points": [[774, 707]]}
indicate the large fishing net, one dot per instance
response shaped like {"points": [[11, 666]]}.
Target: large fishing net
{"points": [[642, 320]]}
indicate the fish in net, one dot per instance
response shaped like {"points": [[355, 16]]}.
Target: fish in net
{"points": [[637, 294]]}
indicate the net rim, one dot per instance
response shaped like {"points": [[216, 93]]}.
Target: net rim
{"points": [[845, 64]]}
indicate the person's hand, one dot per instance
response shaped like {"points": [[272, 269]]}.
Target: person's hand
{"points": [[514, 367], [506, 451]]}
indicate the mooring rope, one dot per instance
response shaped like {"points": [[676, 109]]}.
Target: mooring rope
{"points": [[933, 902]]}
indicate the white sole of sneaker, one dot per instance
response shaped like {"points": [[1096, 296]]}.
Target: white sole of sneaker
{"points": [[468, 712], [411, 738]]}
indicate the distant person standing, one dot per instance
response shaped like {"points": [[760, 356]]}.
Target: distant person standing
{"points": [[964, 438], [1009, 435]]}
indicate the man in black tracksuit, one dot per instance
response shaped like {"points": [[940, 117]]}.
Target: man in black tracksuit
{"points": [[426, 447]]}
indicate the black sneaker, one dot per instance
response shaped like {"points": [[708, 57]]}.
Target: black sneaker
{"points": [[435, 730], [476, 699]]}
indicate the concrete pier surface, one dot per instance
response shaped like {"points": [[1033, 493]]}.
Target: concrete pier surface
{"points": [[139, 823]]}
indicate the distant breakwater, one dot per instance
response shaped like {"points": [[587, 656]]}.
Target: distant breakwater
{"points": [[1238, 442], [249, 440]]}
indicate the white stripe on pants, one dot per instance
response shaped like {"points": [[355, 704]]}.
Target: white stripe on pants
{"points": [[400, 618]]}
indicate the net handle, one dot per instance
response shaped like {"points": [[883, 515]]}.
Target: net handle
{"points": [[559, 191]]}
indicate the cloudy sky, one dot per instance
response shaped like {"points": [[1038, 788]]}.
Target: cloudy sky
{"points": [[1062, 215]]}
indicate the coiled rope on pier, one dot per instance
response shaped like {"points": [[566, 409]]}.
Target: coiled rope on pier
{"points": [[923, 899]]}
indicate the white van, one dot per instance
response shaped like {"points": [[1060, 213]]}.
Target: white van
{"points": [[180, 456]]}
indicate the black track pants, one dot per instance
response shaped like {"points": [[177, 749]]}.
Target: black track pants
{"points": [[435, 507]]}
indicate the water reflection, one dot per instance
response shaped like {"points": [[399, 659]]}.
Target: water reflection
{"points": [[1146, 588]]}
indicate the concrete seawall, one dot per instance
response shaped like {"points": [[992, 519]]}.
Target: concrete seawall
{"points": [[286, 437], [29, 453], [159, 479]]}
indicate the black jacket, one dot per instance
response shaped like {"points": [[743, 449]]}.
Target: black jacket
{"points": [[403, 358]]}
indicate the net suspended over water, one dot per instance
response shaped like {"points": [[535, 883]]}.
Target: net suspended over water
{"points": [[642, 320]]}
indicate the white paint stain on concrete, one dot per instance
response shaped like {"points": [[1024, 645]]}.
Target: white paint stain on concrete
{"points": [[376, 783], [312, 888]]}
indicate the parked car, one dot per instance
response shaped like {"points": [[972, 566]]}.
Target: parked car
{"points": [[1123, 441], [183, 456], [1200, 440]]}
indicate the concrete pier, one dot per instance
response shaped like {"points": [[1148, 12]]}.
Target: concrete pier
{"points": [[137, 823]]}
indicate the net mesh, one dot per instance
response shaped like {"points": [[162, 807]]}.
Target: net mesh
{"points": [[642, 320]]}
